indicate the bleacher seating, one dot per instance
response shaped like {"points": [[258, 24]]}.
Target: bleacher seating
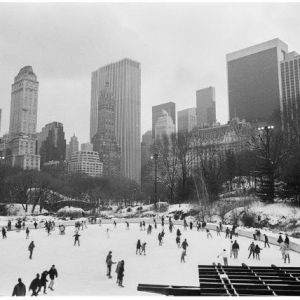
{"points": [[218, 280]]}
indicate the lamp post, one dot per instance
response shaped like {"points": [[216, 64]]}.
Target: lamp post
{"points": [[267, 129], [155, 157]]}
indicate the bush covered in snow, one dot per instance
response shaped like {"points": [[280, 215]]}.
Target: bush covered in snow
{"points": [[72, 212]]}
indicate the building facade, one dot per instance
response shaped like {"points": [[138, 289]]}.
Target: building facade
{"points": [[146, 144], [52, 143], [85, 162], [290, 79], [186, 119], [157, 112], [164, 125], [124, 78], [86, 147], [254, 81], [206, 107], [234, 136], [73, 146], [22, 145], [104, 141]]}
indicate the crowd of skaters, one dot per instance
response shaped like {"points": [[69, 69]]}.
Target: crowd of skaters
{"points": [[254, 249]]}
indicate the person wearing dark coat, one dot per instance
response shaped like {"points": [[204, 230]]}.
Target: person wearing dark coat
{"points": [[184, 245], [280, 240], [35, 224], [109, 263], [138, 247], [159, 239], [30, 248], [43, 282], [4, 233], [76, 239], [27, 233], [266, 241], [120, 274], [287, 240], [52, 274], [257, 252], [178, 241], [178, 233], [34, 285], [19, 289], [227, 231], [191, 225], [251, 250], [235, 249]]}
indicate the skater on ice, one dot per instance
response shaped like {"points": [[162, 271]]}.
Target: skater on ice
{"points": [[138, 247], [27, 233], [43, 282], [52, 274], [34, 285], [19, 289], [30, 248], [109, 264], [120, 272], [3, 233], [76, 238]]}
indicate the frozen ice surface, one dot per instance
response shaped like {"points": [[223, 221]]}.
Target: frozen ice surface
{"points": [[82, 270]]}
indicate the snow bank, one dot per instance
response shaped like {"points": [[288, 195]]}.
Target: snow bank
{"points": [[18, 210]]}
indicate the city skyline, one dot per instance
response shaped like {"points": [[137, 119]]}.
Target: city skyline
{"points": [[199, 61]]}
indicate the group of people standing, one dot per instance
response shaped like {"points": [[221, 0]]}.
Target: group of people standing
{"points": [[37, 284], [119, 269]]}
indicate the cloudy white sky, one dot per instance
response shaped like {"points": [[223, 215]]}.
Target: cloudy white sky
{"points": [[181, 48]]}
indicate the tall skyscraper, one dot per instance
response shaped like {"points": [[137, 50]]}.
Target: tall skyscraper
{"points": [[52, 143], [157, 112], [254, 82], [0, 119], [164, 126], [23, 117], [147, 141], [186, 119], [104, 140], [206, 107], [124, 78], [24, 102], [290, 80], [73, 146]]}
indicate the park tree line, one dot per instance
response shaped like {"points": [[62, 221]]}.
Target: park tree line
{"points": [[45, 187], [266, 165]]}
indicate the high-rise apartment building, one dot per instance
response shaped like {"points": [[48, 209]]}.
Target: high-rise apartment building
{"points": [[104, 140], [164, 126], [290, 80], [254, 81], [73, 146], [206, 107], [52, 143], [124, 79], [85, 162], [186, 119], [157, 112], [23, 117]]}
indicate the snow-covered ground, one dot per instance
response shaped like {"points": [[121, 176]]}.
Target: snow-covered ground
{"points": [[82, 270]]}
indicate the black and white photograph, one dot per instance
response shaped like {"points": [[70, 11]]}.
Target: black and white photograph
{"points": [[149, 149]]}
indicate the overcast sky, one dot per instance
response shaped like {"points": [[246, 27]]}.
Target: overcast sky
{"points": [[181, 48]]}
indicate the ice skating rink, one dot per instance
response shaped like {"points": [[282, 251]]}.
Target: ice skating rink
{"points": [[82, 270]]}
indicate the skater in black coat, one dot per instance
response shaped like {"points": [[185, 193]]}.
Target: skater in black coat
{"points": [[266, 241], [178, 241], [4, 233], [138, 247], [19, 289], [109, 263], [120, 273], [43, 282], [35, 225], [52, 274], [257, 252], [34, 285], [76, 239], [30, 248], [27, 233]]}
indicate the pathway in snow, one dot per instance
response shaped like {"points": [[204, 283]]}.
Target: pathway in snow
{"points": [[82, 270]]}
